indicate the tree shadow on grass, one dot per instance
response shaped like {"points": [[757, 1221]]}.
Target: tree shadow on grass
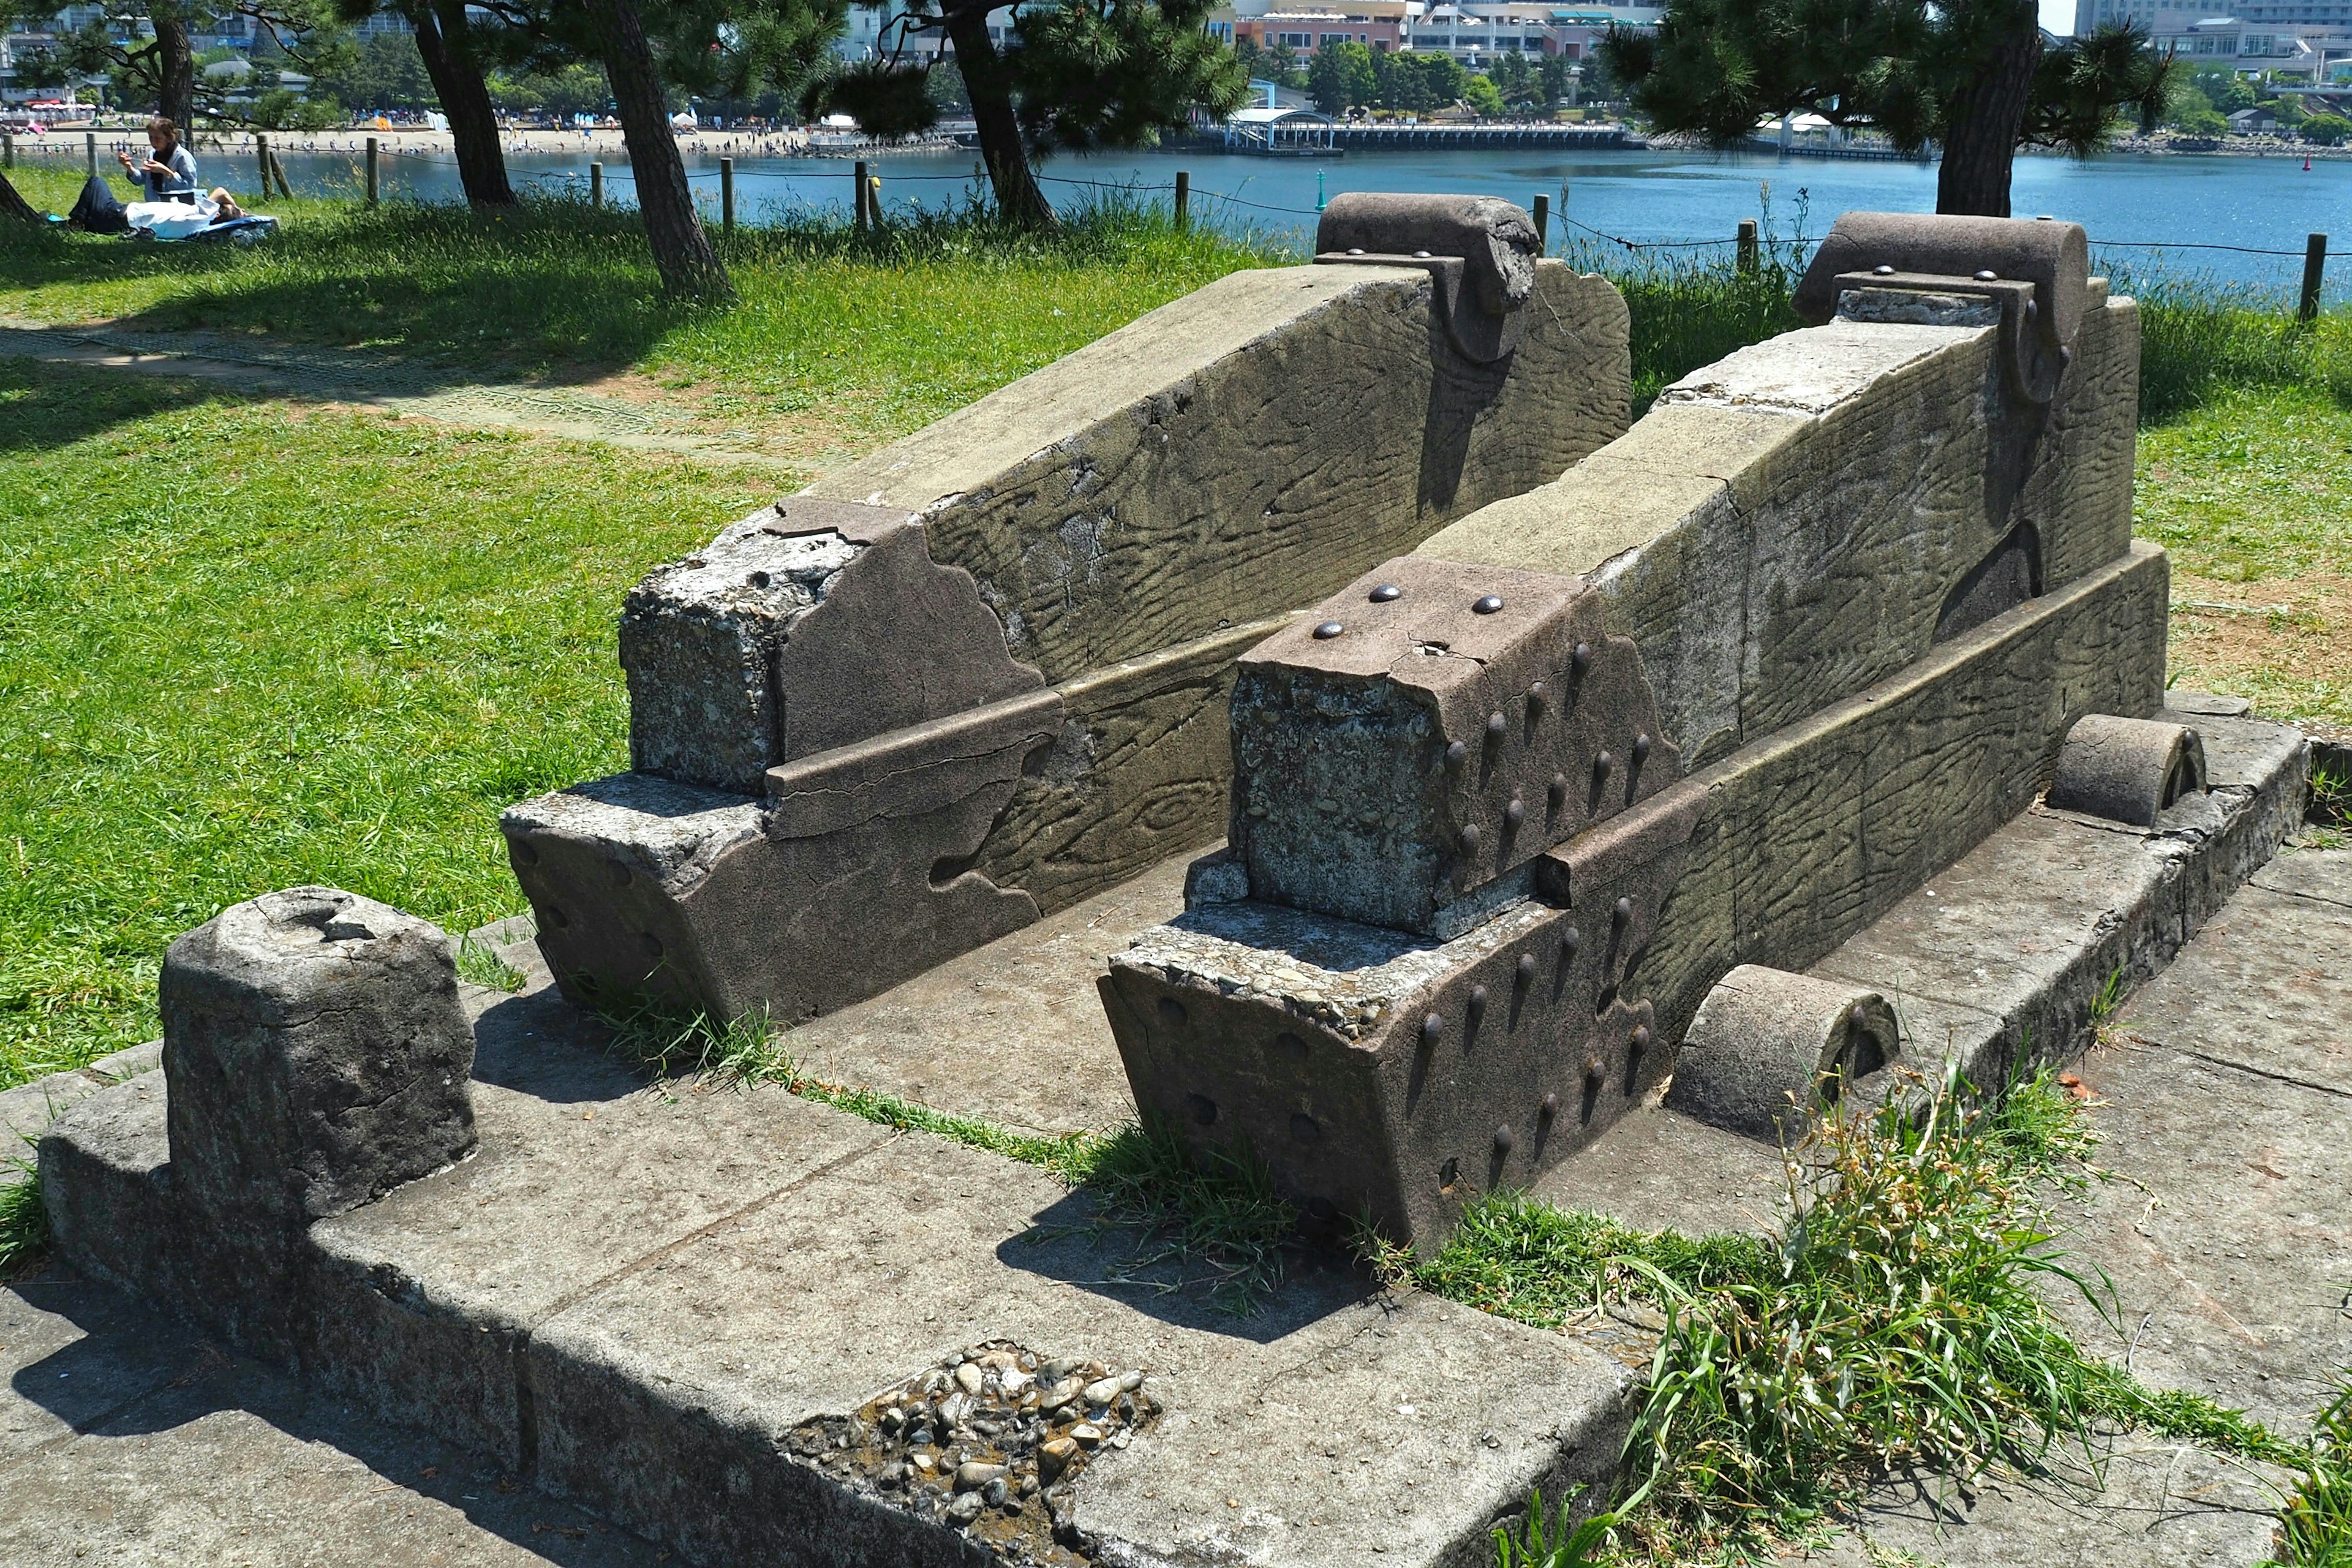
{"points": [[45, 406], [553, 291]]}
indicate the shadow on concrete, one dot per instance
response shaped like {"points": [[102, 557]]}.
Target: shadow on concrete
{"points": [[1147, 1270], [151, 1385]]}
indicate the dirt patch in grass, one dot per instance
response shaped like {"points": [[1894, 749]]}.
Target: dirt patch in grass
{"points": [[2286, 643]]}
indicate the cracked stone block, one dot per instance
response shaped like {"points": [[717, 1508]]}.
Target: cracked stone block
{"points": [[317, 1055], [1404, 752], [1382, 1073], [808, 626]]}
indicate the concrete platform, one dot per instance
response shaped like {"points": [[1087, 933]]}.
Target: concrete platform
{"points": [[129, 1441], [642, 1299]]}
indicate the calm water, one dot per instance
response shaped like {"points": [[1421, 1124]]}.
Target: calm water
{"points": [[2123, 201]]}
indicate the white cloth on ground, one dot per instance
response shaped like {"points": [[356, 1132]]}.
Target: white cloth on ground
{"points": [[173, 220]]}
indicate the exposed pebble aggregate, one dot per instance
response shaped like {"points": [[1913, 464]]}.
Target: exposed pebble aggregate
{"points": [[991, 1442]]}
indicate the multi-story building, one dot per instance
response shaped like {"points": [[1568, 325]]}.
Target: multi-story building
{"points": [[1304, 28], [2306, 39]]}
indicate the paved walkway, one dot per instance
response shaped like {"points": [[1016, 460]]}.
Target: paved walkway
{"points": [[391, 384], [2225, 1091]]}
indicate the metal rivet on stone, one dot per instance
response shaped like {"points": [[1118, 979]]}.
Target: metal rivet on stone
{"points": [[1387, 592], [1602, 762], [1535, 696], [1593, 1067], [1503, 1139], [1549, 1107], [1581, 659], [1355, 250], [1487, 604], [1883, 270], [1477, 1000], [1569, 941], [650, 942], [1514, 814], [1171, 1012], [1455, 753], [1420, 256], [1641, 749], [1526, 969], [1986, 275], [1496, 726], [1558, 790], [1328, 630], [1468, 838], [1641, 1036], [1623, 913], [1302, 1128], [1431, 1028]]}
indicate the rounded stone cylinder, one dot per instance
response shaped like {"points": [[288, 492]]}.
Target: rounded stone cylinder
{"points": [[1768, 1048], [2126, 770]]}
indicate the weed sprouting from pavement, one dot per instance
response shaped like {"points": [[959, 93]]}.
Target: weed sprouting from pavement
{"points": [[479, 964], [23, 1221], [2315, 1525], [1215, 1210]]}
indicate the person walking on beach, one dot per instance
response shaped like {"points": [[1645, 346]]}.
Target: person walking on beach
{"points": [[169, 172]]}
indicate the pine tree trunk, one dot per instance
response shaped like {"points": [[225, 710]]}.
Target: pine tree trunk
{"points": [[688, 265], [986, 83], [176, 68], [442, 39], [1984, 120], [14, 205]]}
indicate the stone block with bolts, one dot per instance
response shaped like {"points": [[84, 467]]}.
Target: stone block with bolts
{"points": [[983, 673], [1884, 561]]}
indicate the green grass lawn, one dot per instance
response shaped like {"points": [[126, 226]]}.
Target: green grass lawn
{"points": [[243, 646], [862, 336]]}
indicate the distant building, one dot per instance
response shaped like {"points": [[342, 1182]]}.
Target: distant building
{"points": [[2307, 38]]}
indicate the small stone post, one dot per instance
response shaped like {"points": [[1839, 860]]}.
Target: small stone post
{"points": [[315, 1056], [89, 149], [596, 184], [1748, 248]]}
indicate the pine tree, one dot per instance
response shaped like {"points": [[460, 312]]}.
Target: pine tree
{"points": [[1975, 77]]}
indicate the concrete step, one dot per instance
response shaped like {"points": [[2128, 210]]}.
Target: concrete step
{"points": [[648, 1299]]}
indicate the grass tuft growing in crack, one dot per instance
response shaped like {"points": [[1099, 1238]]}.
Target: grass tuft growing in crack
{"points": [[23, 1222], [1215, 1213], [1897, 1319], [2315, 1525]]}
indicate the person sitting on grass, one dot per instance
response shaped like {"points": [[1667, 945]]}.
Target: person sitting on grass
{"points": [[169, 172]]}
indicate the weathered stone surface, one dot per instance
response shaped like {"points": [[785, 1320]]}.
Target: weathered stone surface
{"points": [[1302, 1034], [1243, 451], [317, 1055], [126, 1438], [106, 1187], [1802, 518], [1767, 1048], [1141, 771], [27, 1110], [1395, 1077], [641, 886], [665, 1367], [2126, 770], [1426, 733], [808, 627], [2132, 1499]]}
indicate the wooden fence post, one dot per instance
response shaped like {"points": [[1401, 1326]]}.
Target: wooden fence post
{"points": [[858, 217], [1183, 200], [596, 185], [1543, 224], [261, 162], [727, 196], [1748, 259], [89, 149], [2314, 265], [371, 186]]}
